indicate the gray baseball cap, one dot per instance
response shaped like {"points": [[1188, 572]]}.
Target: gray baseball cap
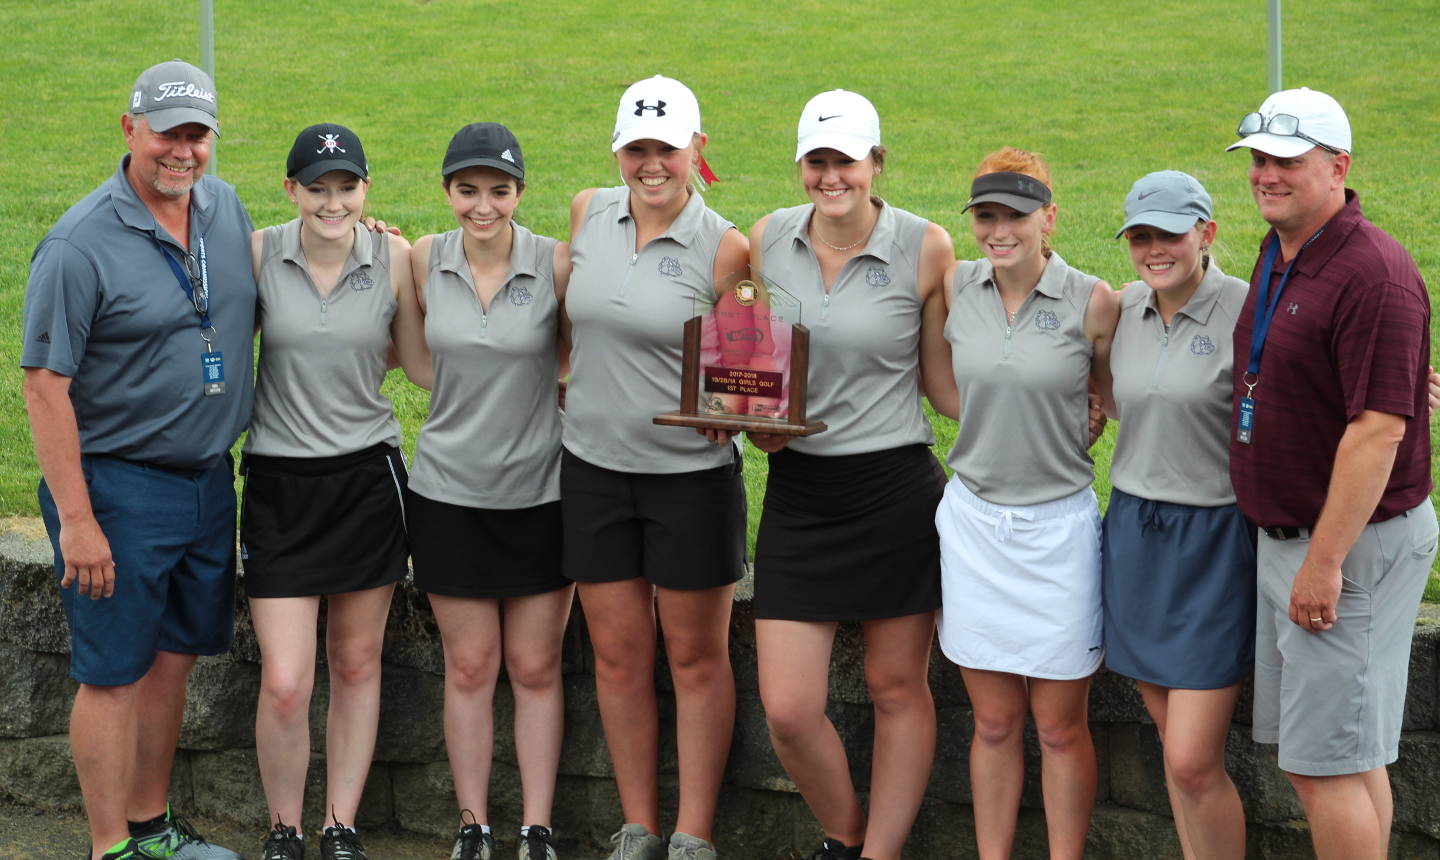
{"points": [[1167, 199], [174, 93]]}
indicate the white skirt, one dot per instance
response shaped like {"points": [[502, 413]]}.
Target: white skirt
{"points": [[1020, 586]]}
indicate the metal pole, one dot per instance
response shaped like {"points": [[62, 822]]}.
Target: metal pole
{"points": [[1276, 64], [207, 53]]}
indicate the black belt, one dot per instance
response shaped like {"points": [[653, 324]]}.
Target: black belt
{"points": [[1286, 532]]}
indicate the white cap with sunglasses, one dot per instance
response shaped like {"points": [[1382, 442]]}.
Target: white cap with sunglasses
{"points": [[1290, 122]]}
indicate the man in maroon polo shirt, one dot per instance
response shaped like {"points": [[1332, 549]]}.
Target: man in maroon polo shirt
{"points": [[1330, 457]]}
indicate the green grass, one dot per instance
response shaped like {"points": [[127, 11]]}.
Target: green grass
{"points": [[1106, 91]]}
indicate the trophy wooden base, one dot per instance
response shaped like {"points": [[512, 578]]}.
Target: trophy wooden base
{"points": [[739, 423]]}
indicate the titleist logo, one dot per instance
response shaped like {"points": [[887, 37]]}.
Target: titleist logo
{"points": [[183, 89]]}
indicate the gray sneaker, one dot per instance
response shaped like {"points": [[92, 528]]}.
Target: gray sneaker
{"points": [[179, 841], [683, 846], [537, 844], [634, 842]]}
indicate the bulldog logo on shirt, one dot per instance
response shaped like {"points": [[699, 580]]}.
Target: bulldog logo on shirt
{"points": [[520, 295], [1200, 344], [361, 280], [1046, 320], [671, 266], [876, 276]]}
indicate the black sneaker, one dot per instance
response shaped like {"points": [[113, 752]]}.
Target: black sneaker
{"points": [[834, 849], [471, 840], [339, 842], [283, 843], [538, 843]]}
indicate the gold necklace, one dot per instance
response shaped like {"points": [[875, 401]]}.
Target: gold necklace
{"points": [[826, 242]]}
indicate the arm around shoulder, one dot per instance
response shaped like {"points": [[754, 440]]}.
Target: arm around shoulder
{"points": [[578, 208], [1102, 314], [407, 329], [937, 377]]}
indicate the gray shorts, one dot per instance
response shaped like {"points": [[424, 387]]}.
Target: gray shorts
{"points": [[1333, 701]]}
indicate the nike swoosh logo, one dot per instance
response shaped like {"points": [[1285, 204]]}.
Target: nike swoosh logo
{"points": [[831, 116], [1149, 194]]}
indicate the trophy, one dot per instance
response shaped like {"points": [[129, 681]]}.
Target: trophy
{"points": [[745, 361]]}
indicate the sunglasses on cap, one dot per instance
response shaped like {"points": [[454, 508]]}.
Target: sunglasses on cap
{"points": [[1280, 125]]}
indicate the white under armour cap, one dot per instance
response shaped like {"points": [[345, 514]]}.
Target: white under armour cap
{"points": [[657, 108], [839, 120]]}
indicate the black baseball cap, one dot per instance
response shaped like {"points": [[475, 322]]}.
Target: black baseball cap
{"points": [[484, 144], [322, 148]]}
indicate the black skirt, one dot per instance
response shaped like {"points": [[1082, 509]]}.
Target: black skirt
{"points": [[850, 537], [484, 552], [323, 525]]}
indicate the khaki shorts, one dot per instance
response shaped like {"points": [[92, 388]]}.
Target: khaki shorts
{"points": [[1334, 700]]}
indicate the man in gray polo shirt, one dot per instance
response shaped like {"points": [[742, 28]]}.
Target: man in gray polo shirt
{"points": [[139, 314]]}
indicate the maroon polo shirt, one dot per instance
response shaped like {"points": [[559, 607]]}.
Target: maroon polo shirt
{"points": [[1351, 333]]}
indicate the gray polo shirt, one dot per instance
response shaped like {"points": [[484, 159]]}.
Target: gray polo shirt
{"points": [[322, 358], [1023, 385], [493, 436], [864, 380], [627, 312], [104, 308], [1172, 389]]}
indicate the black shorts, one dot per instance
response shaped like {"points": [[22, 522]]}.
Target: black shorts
{"points": [[461, 551], [684, 531], [323, 525], [850, 537]]}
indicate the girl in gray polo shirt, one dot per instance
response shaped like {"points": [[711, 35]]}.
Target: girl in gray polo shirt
{"points": [[484, 500], [1178, 567], [848, 530], [654, 516], [323, 513], [1019, 526]]}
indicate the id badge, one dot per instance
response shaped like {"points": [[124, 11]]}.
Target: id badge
{"points": [[212, 373], [1245, 420]]}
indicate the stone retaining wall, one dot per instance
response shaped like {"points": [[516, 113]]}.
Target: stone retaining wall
{"points": [[761, 815]]}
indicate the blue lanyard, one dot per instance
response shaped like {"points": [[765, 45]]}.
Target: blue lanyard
{"points": [[184, 281], [1266, 305]]}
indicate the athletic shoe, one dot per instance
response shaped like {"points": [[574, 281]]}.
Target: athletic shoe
{"points": [[339, 842], [683, 846], [538, 843], [834, 849], [634, 842], [471, 840], [177, 840], [127, 851], [283, 843]]}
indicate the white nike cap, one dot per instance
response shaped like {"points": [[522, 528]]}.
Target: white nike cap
{"points": [[839, 120]]}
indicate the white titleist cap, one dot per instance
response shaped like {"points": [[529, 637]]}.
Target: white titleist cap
{"points": [[657, 108], [839, 120], [1290, 122]]}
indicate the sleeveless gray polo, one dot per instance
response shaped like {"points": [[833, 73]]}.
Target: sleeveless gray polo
{"points": [[322, 359], [864, 380], [1173, 392], [1023, 386], [493, 436], [627, 312]]}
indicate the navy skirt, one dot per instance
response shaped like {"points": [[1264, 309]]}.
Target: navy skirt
{"points": [[1178, 589]]}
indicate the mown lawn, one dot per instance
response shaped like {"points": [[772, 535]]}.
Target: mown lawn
{"points": [[1106, 91]]}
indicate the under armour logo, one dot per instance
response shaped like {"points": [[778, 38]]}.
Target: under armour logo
{"points": [[641, 107], [1293, 309], [1025, 186], [329, 143]]}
